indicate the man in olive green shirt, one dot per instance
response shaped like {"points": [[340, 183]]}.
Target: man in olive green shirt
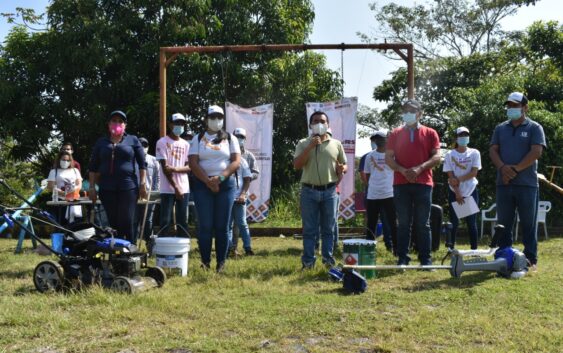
{"points": [[323, 162]]}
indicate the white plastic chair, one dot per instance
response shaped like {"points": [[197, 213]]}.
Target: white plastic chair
{"points": [[543, 208], [486, 218]]}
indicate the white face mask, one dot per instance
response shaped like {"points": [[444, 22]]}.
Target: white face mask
{"points": [[64, 164], [215, 124], [319, 129], [409, 118], [146, 149]]}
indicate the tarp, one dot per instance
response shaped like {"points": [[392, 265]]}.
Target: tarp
{"points": [[258, 123]]}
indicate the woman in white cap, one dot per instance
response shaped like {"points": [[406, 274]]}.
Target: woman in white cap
{"points": [[462, 165], [214, 157]]}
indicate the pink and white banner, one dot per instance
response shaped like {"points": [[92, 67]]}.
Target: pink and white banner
{"points": [[259, 124], [342, 122]]}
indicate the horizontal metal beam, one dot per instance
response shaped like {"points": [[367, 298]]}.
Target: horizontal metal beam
{"points": [[282, 47]]}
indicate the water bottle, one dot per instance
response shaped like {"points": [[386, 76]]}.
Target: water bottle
{"points": [[54, 194]]}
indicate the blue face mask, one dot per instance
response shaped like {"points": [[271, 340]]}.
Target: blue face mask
{"points": [[514, 113], [463, 140], [409, 118], [373, 146], [241, 142], [178, 130]]}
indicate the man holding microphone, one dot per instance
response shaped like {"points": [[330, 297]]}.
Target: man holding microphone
{"points": [[323, 162]]}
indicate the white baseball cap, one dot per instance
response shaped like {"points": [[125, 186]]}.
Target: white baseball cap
{"points": [[517, 97], [459, 130], [239, 131], [215, 109], [381, 133], [177, 116]]}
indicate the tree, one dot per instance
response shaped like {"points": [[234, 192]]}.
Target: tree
{"points": [[445, 27], [97, 56]]}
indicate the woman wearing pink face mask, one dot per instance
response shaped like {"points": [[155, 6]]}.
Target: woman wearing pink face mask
{"points": [[113, 167]]}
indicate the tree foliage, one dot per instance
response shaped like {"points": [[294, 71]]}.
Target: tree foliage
{"points": [[445, 28], [97, 56], [470, 91]]}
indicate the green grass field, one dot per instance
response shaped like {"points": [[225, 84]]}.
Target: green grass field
{"points": [[266, 304]]}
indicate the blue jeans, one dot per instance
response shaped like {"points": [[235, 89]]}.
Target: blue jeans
{"points": [[238, 218], [318, 213], [167, 201], [511, 198], [336, 230], [214, 212], [413, 203], [471, 221], [385, 210]]}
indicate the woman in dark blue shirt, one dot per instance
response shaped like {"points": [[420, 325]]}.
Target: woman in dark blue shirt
{"points": [[113, 168]]}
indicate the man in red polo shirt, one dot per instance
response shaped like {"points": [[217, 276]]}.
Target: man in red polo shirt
{"points": [[412, 151]]}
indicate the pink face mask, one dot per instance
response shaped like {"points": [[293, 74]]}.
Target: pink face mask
{"points": [[117, 129]]}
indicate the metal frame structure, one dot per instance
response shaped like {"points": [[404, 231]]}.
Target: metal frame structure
{"points": [[166, 60]]}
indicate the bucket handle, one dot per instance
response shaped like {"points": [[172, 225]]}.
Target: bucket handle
{"points": [[168, 226]]}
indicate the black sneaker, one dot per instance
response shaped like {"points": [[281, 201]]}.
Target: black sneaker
{"points": [[428, 269], [221, 267], [249, 252], [307, 267], [205, 266], [233, 253]]}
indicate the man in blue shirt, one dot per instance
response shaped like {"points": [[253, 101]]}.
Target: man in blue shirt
{"points": [[516, 146]]}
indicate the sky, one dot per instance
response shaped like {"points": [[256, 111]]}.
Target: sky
{"points": [[339, 21]]}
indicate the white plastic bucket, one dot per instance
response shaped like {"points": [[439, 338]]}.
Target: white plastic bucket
{"points": [[172, 254]]}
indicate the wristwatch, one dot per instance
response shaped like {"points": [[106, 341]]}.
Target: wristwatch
{"points": [[221, 178]]}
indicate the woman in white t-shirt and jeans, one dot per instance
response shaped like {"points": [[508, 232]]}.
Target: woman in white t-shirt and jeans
{"points": [[214, 157], [462, 165], [63, 179]]}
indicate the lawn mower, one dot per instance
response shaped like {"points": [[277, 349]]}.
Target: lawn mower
{"points": [[508, 262], [88, 255]]}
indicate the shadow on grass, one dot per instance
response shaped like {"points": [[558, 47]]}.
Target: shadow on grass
{"points": [[25, 290], [280, 252], [466, 281], [9, 274]]}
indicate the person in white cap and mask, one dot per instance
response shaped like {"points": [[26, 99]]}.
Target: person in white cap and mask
{"points": [[379, 196], [214, 159], [172, 153], [323, 162], [153, 182], [516, 146], [239, 224], [462, 165]]}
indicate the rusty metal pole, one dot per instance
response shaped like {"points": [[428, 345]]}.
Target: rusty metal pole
{"points": [[410, 71], [164, 62], [162, 72]]}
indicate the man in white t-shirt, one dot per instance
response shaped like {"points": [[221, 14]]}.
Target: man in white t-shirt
{"points": [[172, 153], [379, 198], [462, 165]]}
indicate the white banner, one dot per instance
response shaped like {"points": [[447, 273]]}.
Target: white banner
{"points": [[259, 124], [342, 122]]}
